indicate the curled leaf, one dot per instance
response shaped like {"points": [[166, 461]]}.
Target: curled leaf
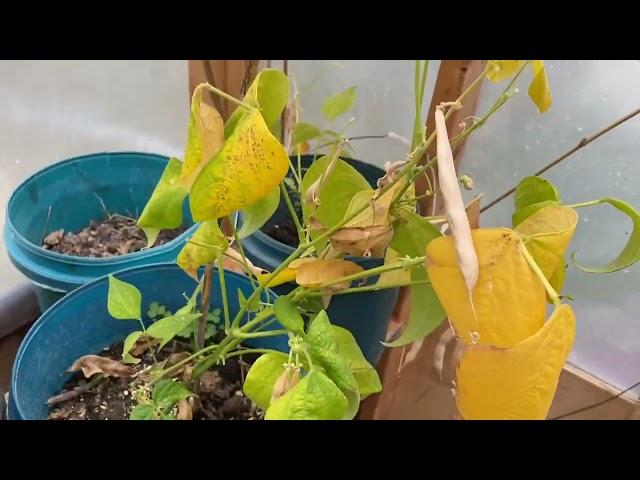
{"points": [[250, 165], [500, 70], [631, 252], [539, 90], [92, 364], [516, 383], [129, 342], [508, 300], [262, 377], [204, 139], [363, 241]]}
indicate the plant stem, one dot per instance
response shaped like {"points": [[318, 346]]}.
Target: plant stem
{"points": [[585, 204], [268, 333], [251, 350], [370, 288], [223, 293], [241, 251], [294, 215], [553, 295], [406, 264], [204, 307], [224, 95]]}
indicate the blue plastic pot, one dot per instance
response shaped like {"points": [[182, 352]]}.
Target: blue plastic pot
{"points": [[68, 195], [80, 324], [366, 314]]}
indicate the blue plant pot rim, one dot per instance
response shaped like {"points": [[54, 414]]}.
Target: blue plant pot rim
{"points": [[78, 292], [76, 260]]}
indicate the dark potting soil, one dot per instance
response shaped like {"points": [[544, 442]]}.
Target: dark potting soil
{"points": [[285, 231], [117, 235], [219, 392]]}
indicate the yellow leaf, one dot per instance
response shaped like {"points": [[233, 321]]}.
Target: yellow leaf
{"points": [[508, 299], [286, 275], [164, 208], [547, 234], [516, 383], [202, 248], [204, 138], [539, 89], [318, 271], [250, 165], [502, 69]]}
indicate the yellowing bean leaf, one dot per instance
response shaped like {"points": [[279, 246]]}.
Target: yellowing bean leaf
{"points": [[539, 90], [164, 208], [206, 244], [509, 299], [315, 397], [262, 376], [516, 383], [268, 92], [204, 138], [319, 271], [547, 234], [250, 165], [631, 252]]}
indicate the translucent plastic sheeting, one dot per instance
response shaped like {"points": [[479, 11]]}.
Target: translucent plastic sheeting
{"points": [[385, 100], [54, 110], [517, 141]]}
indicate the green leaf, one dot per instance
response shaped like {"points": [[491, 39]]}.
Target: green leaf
{"points": [[522, 214], [257, 214], [143, 412], [168, 392], [631, 252], [325, 350], [168, 416], [337, 191], [129, 342], [262, 376], [303, 132], [412, 233], [269, 91], [204, 246], [288, 315], [366, 376], [426, 312], [316, 397], [167, 328], [254, 306], [339, 103], [533, 190], [164, 208], [123, 300]]}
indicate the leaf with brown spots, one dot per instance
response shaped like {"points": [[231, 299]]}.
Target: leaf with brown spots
{"points": [[249, 166], [92, 364]]}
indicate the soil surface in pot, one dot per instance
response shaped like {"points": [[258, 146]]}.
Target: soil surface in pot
{"points": [[116, 235], [219, 390], [285, 231]]}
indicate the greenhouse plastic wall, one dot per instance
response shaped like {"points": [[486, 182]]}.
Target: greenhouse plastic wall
{"points": [[54, 110], [587, 96]]}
